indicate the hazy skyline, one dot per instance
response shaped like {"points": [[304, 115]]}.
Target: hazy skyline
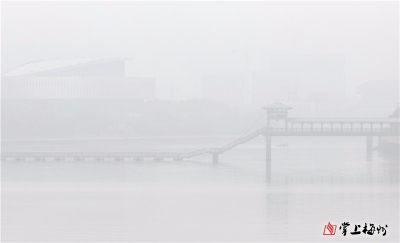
{"points": [[231, 121], [179, 42]]}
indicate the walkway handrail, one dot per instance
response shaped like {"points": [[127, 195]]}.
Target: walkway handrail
{"points": [[195, 153], [345, 130], [159, 155], [241, 140]]}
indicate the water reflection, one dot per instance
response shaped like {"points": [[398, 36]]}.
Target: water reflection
{"points": [[242, 198], [268, 170]]}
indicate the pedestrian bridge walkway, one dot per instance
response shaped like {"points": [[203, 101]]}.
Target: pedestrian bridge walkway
{"points": [[391, 130]]}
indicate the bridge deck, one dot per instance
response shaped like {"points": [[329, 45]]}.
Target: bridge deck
{"points": [[178, 156], [331, 132], [344, 120]]}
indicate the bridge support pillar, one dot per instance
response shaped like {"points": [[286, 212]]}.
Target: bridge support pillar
{"points": [[268, 157], [215, 158], [369, 143], [268, 148]]}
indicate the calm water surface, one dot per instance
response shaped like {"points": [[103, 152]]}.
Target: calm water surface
{"points": [[314, 180]]}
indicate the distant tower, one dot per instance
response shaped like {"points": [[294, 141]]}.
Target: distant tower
{"points": [[277, 111]]}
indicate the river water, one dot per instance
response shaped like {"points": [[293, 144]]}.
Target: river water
{"points": [[313, 181]]}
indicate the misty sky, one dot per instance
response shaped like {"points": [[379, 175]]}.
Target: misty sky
{"points": [[178, 42]]}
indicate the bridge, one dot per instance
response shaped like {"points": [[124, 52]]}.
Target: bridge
{"points": [[368, 127]]}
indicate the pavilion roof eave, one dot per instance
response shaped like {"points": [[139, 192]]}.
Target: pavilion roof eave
{"points": [[277, 106]]}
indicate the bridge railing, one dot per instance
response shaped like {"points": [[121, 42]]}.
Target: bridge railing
{"points": [[238, 141], [331, 130], [195, 153], [39, 154]]}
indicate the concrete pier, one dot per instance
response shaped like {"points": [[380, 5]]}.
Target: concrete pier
{"points": [[268, 148]]}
